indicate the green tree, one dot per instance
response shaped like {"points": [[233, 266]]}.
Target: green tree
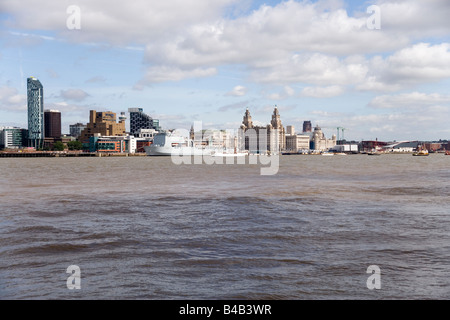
{"points": [[75, 145], [59, 146]]}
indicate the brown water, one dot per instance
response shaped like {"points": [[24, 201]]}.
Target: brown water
{"points": [[144, 228]]}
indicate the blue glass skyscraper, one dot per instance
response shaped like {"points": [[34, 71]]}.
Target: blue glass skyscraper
{"points": [[35, 93]]}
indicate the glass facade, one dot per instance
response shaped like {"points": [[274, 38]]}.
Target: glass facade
{"points": [[36, 130], [140, 120], [12, 137]]}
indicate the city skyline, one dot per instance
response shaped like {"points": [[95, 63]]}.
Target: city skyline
{"points": [[316, 61]]}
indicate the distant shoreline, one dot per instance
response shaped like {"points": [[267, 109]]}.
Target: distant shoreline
{"points": [[106, 155], [66, 155]]}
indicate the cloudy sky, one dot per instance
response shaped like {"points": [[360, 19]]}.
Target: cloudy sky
{"points": [[209, 60]]}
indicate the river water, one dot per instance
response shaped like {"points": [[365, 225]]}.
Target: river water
{"points": [[145, 228]]}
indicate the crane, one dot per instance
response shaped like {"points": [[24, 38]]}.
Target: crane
{"points": [[340, 129]]}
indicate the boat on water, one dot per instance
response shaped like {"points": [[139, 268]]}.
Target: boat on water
{"points": [[328, 154], [374, 153], [421, 152], [447, 153], [168, 144], [228, 153]]}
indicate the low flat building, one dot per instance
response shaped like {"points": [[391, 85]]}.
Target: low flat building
{"points": [[433, 146], [348, 147], [403, 146], [370, 145], [112, 144], [297, 143]]}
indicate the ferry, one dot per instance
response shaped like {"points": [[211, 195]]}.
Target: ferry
{"points": [[228, 153], [421, 153], [168, 144]]}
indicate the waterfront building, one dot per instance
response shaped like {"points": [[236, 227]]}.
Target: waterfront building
{"points": [[274, 130], [139, 120], [402, 146], [346, 147], [113, 144], [320, 142], [433, 146], [297, 143], [212, 138], [290, 131], [76, 129], [104, 124], [141, 143], [371, 145], [35, 99], [146, 133], [52, 123], [13, 137]]}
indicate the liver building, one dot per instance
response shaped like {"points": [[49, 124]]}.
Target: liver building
{"points": [[274, 130]]}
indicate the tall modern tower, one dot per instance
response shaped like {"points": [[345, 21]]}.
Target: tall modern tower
{"points": [[36, 131], [140, 120], [307, 127], [52, 123]]}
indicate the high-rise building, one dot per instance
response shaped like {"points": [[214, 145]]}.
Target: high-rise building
{"points": [[12, 137], [307, 126], [140, 120], [104, 124], [76, 129], [52, 123], [35, 94]]}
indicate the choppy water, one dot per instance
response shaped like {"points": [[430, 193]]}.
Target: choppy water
{"points": [[143, 228]]}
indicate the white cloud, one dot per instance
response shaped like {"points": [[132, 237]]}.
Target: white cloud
{"points": [[121, 23], [165, 73], [11, 100], [420, 18], [74, 94], [285, 93], [291, 42], [410, 66], [234, 106], [237, 91], [413, 100], [322, 92], [96, 79]]}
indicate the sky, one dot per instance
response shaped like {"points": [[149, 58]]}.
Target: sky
{"points": [[382, 73]]}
